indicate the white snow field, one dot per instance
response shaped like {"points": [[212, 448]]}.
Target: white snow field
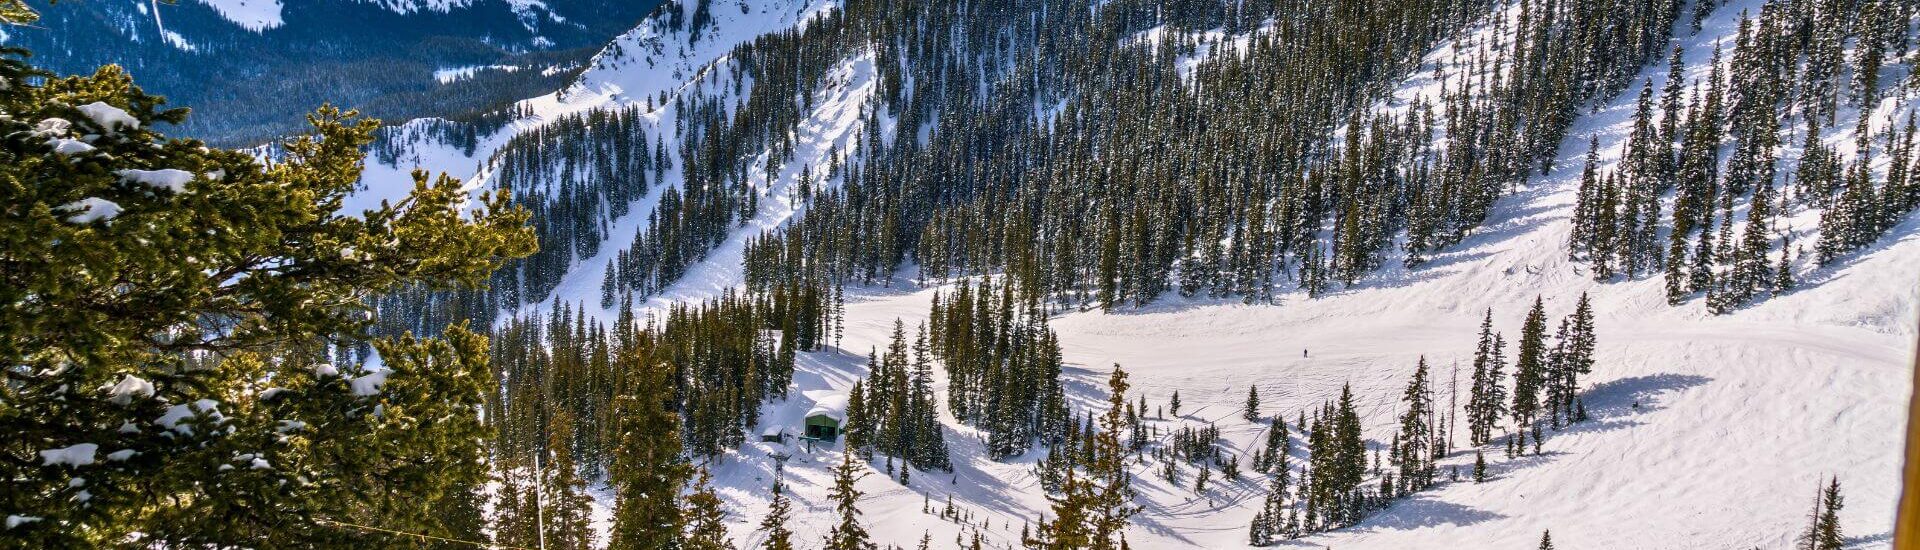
{"points": [[1707, 431]]}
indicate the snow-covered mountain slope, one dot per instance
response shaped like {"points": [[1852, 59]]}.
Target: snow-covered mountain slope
{"points": [[655, 65], [1708, 431], [260, 15], [251, 68]]}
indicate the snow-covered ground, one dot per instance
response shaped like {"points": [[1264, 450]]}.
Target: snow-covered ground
{"points": [[1708, 431], [253, 15]]}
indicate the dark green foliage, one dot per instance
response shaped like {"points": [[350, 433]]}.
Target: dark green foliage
{"points": [[1823, 527], [1003, 366], [706, 522], [779, 537], [848, 534], [1106, 211], [1415, 445], [1786, 66], [1487, 392], [897, 415], [1530, 366], [175, 339], [1252, 410], [648, 467], [1096, 499], [1570, 358]]}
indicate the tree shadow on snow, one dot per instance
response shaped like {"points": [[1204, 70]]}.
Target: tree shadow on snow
{"points": [[1867, 540], [1612, 405], [1908, 229], [1423, 510]]}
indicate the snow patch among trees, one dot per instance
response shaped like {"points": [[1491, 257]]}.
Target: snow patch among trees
{"points": [[76, 455], [253, 15]]}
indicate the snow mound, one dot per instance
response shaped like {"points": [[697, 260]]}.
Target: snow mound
{"points": [[829, 404]]}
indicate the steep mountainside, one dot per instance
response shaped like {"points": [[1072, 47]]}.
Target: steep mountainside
{"points": [[1190, 194], [250, 67]]}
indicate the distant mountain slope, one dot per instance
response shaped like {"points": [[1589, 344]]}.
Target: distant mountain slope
{"points": [[251, 68]]}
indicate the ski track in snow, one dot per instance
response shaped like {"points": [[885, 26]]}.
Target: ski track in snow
{"points": [[1707, 432]]}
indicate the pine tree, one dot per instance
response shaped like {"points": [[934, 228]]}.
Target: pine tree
{"points": [[1112, 487], [1252, 411], [514, 517], [648, 469], [1414, 447], [706, 522], [847, 534], [1546, 540], [1259, 531], [1577, 354], [1173, 404], [775, 524], [569, 512], [1826, 530], [1529, 374], [1487, 395], [1479, 466], [1273, 459], [168, 278]]}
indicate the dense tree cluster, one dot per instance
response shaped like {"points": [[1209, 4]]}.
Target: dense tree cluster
{"points": [[1725, 238], [727, 356], [1221, 179], [894, 410], [578, 173], [1546, 375], [1003, 365]]}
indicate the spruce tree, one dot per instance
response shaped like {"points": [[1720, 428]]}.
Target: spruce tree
{"points": [[775, 524], [848, 534], [180, 302], [1414, 446], [706, 523], [1827, 535], [648, 469], [1487, 394], [1071, 526], [569, 508], [1252, 410], [1529, 373], [1112, 486]]}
